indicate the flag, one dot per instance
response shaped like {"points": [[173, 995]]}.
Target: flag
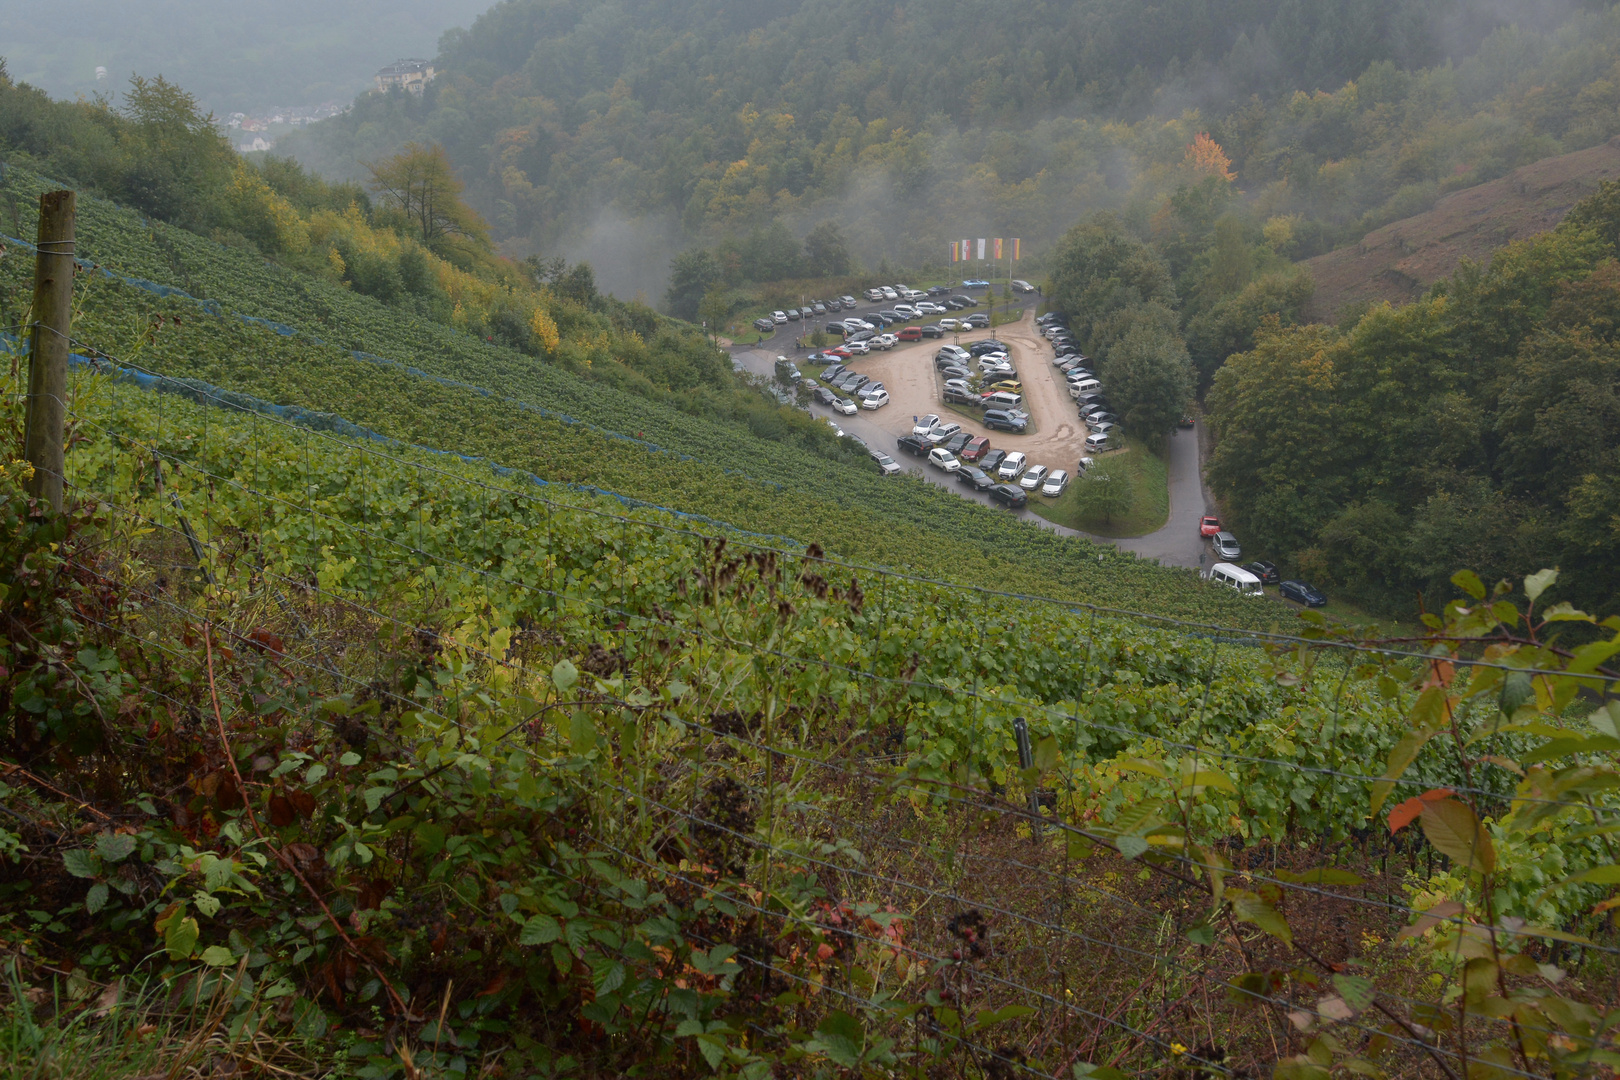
{"points": [[954, 252], [1015, 249], [998, 249], [981, 249], [967, 250]]}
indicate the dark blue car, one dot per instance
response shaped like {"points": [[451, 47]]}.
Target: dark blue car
{"points": [[1301, 593]]}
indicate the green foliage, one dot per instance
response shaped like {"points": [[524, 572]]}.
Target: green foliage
{"points": [[1471, 428]]}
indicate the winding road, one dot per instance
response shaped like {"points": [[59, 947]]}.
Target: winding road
{"points": [[1176, 544]]}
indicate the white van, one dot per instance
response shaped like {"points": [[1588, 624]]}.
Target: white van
{"points": [[1235, 578], [1084, 386], [1096, 444], [1012, 465], [1003, 399]]}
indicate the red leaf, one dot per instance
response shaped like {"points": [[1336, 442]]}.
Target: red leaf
{"points": [[281, 811], [1406, 813], [303, 802], [265, 641]]}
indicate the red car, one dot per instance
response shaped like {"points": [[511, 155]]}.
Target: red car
{"points": [[910, 333], [841, 352], [977, 447], [1209, 526]]}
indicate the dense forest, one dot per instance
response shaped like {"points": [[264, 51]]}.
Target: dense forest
{"points": [[576, 124]]}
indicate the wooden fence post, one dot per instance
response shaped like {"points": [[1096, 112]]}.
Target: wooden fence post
{"points": [[48, 358]]}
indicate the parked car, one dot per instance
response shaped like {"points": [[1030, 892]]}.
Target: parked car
{"points": [[976, 448], [957, 303], [1005, 420], [955, 371], [875, 400], [941, 458], [1265, 571], [1012, 466], [932, 330], [1209, 525], [884, 342], [1301, 593], [857, 348], [943, 431], [794, 314], [836, 429], [957, 392], [886, 465], [874, 295], [975, 283], [1235, 578], [956, 442], [915, 445], [1056, 482], [840, 351], [849, 301], [765, 326], [938, 290], [844, 407], [852, 382], [979, 321], [837, 329], [991, 461], [1085, 464], [1101, 420], [1032, 477], [818, 308], [1011, 386], [779, 317], [954, 353], [858, 336], [949, 325], [988, 345], [1186, 421], [1097, 442], [910, 333], [1226, 546], [905, 311], [975, 478], [824, 396], [1021, 286], [888, 293], [1009, 495], [924, 424]]}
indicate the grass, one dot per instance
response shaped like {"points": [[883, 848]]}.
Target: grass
{"points": [[1150, 504]]}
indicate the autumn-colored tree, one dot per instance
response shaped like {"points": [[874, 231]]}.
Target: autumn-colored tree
{"points": [[1205, 157], [419, 184]]}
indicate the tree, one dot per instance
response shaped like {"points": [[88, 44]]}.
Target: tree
{"points": [[1105, 495], [691, 275], [419, 184], [714, 308], [175, 163], [825, 253], [1099, 269], [1149, 376]]}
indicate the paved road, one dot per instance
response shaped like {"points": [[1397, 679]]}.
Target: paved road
{"points": [[1177, 544]]}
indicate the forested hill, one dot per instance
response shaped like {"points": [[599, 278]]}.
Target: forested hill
{"points": [[914, 124]]}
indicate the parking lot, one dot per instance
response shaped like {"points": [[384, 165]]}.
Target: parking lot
{"points": [[908, 372]]}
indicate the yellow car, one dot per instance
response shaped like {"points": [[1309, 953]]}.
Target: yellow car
{"points": [[1012, 386]]}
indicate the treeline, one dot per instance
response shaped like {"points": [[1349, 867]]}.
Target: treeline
{"points": [[912, 126], [1478, 427], [405, 237], [766, 253]]}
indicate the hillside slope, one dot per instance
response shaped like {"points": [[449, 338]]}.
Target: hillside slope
{"points": [[1402, 259]]}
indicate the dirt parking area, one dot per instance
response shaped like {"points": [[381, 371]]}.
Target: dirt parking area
{"points": [[1059, 436]]}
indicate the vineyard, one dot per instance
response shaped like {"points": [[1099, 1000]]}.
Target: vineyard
{"points": [[388, 763], [243, 324]]}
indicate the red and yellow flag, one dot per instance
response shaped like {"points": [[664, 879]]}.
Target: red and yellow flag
{"points": [[998, 249]]}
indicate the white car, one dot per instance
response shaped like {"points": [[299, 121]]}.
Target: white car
{"points": [[885, 342], [942, 432], [948, 324], [836, 429], [874, 295], [941, 458], [1032, 477], [860, 324], [1055, 482], [925, 424], [844, 407], [910, 293], [888, 293], [1012, 465], [875, 400], [778, 317], [1086, 463], [857, 348]]}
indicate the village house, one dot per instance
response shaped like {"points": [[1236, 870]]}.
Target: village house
{"points": [[409, 75]]}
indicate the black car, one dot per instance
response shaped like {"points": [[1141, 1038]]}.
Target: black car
{"points": [[1302, 593], [954, 303], [1092, 397], [992, 461], [953, 371], [938, 290], [981, 321], [956, 442], [1011, 496], [825, 396], [933, 330], [1002, 420], [765, 326], [988, 345], [915, 445], [964, 299], [974, 477], [818, 309], [862, 335], [1266, 572], [833, 372]]}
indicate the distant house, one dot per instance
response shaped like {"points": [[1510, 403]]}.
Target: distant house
{"points": [[411, 76]]}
